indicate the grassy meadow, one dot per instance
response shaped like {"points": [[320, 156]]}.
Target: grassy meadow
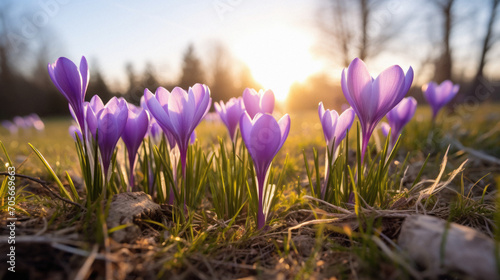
{"points": [[306, 238]]}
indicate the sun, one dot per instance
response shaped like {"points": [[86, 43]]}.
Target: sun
{"points": [[278, 57]]}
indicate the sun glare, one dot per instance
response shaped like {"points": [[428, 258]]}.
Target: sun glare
{"points": [[278, 58]]}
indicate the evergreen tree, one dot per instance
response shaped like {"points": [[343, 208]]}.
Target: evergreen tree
{"points": [[192, 71]]}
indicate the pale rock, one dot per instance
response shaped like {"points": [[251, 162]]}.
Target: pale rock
{"points": [[466, 250]]}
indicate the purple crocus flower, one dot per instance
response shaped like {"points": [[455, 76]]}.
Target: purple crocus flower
{"points": [[72, 82], [36, 122], [372, 98], [439, 95], [133, 134], [399, 116], [258, 102], [91, 109], [230, 114], [334, 126], [385, 128], [10, 126], [335, 129], [110, 124], [263, 137], [179, 112], [20, 122], [154, 130], [74, 130]]}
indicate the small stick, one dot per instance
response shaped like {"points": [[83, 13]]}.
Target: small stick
{"points": [[475, 153], [84, 270], [46, 186], [340, 209], [84, 253]]}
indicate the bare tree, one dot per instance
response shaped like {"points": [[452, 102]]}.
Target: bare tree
{"points": [[489, 40], [443, 65], [351, 29]]}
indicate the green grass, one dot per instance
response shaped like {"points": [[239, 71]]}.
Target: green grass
{"points": [[306, 238]]}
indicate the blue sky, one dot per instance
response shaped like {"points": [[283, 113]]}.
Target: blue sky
{"points": [[114, 33], [275, 38]]}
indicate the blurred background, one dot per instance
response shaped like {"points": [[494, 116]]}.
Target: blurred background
{"points": [[296, 48]]}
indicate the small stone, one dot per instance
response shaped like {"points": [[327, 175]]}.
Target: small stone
{"points": [[466, 250], [124, 208]]}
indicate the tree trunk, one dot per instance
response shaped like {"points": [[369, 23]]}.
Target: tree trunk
{"points": [[487, 43], [444, 64], [365, 13]]}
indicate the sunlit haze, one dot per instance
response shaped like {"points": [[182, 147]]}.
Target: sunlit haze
{"points": [[277, 40], [276, 45], [278, 57]]}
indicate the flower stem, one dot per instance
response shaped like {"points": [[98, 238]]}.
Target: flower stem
{"points": [[183, 152], [261, 218], [363, 148], [131, 160]]}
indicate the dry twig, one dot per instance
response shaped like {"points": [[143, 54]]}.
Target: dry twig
{"points": [[46, 186]]}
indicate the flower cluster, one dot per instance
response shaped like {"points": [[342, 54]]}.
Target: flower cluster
{"points": [[176, 113], [168, 120], [24, 123]]}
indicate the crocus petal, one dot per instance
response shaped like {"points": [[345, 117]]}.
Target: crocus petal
{"points": [[135, 128], [157, 111], [359, 82], [267, 102], [388, 86], [251, 100], [385, 128], [201, 95], [68, 78], [284, 124], [96, 103], [171, 139], [347, 95], [91, 120], [344, 123], [162, 95], [74, 131], [84, 72], [408, 80], [328, 122], [245, 127], [143, 103], [321, 110], [181, 111], [230, 114]]}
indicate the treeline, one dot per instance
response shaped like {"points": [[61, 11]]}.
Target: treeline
{"points": [[22, 94], [369, 29], [225, 76]]}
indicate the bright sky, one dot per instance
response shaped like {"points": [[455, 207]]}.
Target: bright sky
{"points": [[274, 38]]}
